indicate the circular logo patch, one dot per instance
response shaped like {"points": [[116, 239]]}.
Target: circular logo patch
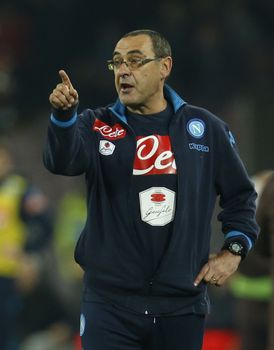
{"points": [[82, 324], [196, 128]]}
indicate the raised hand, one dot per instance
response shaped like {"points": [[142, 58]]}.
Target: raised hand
{"points": [[64, 96]]}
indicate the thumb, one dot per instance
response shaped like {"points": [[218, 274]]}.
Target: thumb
{"points": [[65, 78]]}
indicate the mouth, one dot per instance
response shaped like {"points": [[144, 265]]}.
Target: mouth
{"points": [[126, 88]]}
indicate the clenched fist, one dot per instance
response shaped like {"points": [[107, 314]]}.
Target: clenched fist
{"points": [[64, 96]]}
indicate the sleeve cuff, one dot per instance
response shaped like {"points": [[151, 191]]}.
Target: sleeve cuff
{"points": [[63, 123], [241, 236], [237, 236]]}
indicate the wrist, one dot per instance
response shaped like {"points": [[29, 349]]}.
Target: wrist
{"points": [[64, 114], [235, 248], [65, 123], [232, 257]]}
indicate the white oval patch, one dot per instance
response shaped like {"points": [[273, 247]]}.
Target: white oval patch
{"points": [[157, 205]]}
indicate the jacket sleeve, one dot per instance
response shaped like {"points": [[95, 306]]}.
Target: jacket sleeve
{"points": [[69, 146], [237, 193]]}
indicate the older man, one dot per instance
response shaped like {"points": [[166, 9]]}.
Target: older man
{"points": [[154, 166]]}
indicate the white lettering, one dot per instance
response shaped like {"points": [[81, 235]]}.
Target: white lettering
{"points": [[148, 156], [142, 171], [163, 156], [108, 131], [141, 145]]}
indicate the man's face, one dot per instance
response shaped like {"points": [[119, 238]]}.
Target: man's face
{"points": [[138, 88]]}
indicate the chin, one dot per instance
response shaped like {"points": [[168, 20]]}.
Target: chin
{"points": [[127, 101]]}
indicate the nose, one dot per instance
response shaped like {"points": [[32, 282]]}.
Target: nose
{"points": [[123, 69]]}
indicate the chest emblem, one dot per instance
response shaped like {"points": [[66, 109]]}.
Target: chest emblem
{"points": [[154, 156], [106, 148], [114, 132], [196, 128], [157, 206]]}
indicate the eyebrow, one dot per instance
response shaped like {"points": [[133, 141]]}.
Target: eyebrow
{"points": [[129, 52]]}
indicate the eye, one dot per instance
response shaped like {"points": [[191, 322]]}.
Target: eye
{"points": [[134, 60], [117, 61]]}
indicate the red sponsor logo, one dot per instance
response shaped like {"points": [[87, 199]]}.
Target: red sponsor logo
{"points": [[114, 132], [158, 197], [154, 156]]}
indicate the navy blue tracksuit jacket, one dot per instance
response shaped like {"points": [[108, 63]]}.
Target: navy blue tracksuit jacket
{"points": [[100, 144]]}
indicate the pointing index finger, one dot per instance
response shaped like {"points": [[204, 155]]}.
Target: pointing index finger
{"points": [[201, 275], [65, 78]]}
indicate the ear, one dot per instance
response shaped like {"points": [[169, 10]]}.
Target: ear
{"points": [[166, 66]]}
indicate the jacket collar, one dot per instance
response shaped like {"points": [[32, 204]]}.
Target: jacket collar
{"points": [[176, 101]]}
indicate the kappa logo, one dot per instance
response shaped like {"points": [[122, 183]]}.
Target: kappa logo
{"points": [[106, 148], [198, 147], [196, 128], [114, 132]]}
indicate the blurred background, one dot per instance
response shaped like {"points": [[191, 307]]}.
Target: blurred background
{"points": [[223, 60]]}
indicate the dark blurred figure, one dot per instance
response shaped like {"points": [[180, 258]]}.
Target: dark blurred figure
{"points": [[70, 219], [49, 317], [268, 215], [50, 314], [44, 324], [252, 286], [24, 233]]}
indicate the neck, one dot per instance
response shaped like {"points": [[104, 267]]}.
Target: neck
{"points": [[158, 106]]}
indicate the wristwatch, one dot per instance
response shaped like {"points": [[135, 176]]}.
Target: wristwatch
{"points": [[235, 248]]}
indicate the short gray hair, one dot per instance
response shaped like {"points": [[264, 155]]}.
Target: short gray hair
{"points": [[160, 44]]}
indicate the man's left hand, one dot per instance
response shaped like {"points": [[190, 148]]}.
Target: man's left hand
{"points": [[218, 268]]}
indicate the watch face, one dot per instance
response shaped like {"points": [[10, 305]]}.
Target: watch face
{"points": [[236, 247]]}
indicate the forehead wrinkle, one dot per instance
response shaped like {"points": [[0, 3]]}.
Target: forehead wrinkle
{"points": [[141, 43]]}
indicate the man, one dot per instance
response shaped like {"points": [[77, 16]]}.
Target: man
{"points": [[154, 166], [25, 234]]}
